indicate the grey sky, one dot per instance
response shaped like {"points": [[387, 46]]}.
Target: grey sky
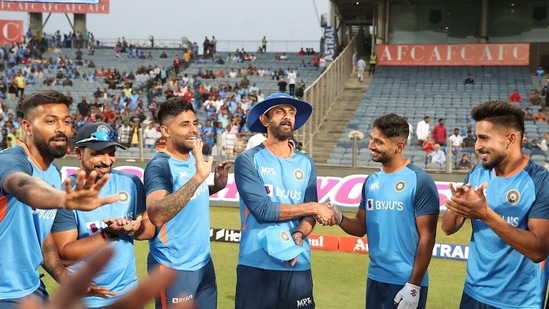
{"points": [[226, 20]]}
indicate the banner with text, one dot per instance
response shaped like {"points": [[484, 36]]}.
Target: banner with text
{"points": [[342, 191], [330, 40], [57, 1], [454, 54], [347, 244], [57, 6], [11, 31]]}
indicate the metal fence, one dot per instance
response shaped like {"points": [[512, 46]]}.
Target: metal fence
{"points": [[323, 92]]}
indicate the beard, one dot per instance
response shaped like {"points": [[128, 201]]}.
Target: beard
{"points": [[278, 132], [382, 158], [496, 161], [55, 152]]}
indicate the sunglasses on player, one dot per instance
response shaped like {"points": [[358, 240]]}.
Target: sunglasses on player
{"points": [[99, 136]]}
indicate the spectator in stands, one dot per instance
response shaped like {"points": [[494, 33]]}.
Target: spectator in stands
{"points": [[151, 135], [135, 134], [282, 84], [515, 96], [469, 80], [469, 128], [292, 78], [464, 164], [361, 66], [3, 88], [536, 148], [540, 116], [469, 142], [322, 63], [78, 54], [301, 52], [440, 134], [124, 133], [372, 62], [83, 107], [525, 143], [437, 155], [176, 64], [456, 141], [544, 142], [534, 98], [300, 91], [19, 81], [67, 82], [163, 55], [428, 145], [423, 129], [528, 115], [540, 72], [264, 45], [316, 61]]}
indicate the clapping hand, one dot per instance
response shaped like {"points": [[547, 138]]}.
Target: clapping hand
{"points": [[468, 202], [122, 226]]}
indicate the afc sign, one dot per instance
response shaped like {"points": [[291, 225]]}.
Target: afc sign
{"points": [[11, 31]]}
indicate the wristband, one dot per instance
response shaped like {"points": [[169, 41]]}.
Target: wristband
{"points": [[108, 235], [298, 231]]}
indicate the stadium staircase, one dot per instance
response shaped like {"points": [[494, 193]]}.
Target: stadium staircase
{"points": [[326, 139]]}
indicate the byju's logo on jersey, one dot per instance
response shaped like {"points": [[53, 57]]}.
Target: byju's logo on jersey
{"points": [[298, 174], [123, 197], [370, 204], [93, 227], [269, 190], [399, 186], [513, 197], [374, 186]]}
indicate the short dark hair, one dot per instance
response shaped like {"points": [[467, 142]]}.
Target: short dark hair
{"points": [[392, 125], [42, 98], [173, 107], [500, 113]]}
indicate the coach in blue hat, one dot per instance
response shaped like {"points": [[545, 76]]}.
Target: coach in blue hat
{"points": [[278, 205], [258, 119]]}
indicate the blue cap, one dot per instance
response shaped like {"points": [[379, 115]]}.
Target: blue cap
{"points": [[303, 111], [278, 243], [97, 136]]}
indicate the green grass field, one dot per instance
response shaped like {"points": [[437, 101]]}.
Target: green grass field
{"points": [[339, 278]]}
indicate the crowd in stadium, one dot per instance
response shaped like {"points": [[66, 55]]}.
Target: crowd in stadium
{"points": [[129, 99]]}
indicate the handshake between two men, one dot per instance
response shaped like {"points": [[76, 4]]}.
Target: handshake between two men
{"points": [[328, 214]]}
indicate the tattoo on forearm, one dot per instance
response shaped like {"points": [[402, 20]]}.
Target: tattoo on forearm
{"points": [[169, 206], [52, 262]]}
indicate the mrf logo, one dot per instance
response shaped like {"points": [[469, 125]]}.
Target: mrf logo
{"points": [[304, 302]]}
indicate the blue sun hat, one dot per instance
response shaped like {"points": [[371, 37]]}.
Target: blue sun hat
{"points": [[278, 243], [303, 111]]}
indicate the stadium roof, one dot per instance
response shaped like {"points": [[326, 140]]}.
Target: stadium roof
{"points": [[360, 12]]}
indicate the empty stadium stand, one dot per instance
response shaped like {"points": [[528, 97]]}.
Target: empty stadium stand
{"points": [[438, 92]]}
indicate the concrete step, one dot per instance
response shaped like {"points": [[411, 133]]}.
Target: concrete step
{"points": [[331, 129]]}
